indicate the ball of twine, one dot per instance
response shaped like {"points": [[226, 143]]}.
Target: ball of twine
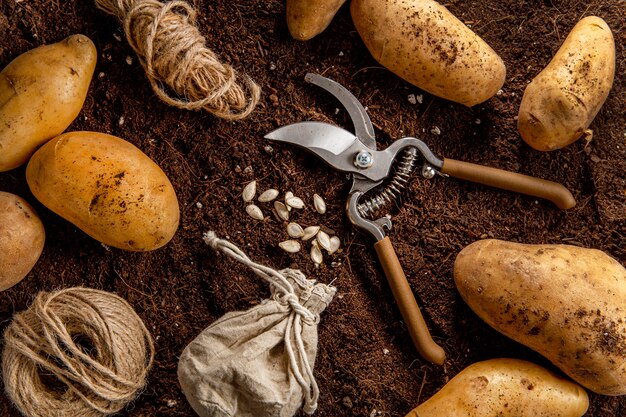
{"points": [[75, 352], [173, 52]]}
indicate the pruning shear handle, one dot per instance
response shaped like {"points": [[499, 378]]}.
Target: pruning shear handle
{"points": [[409, 309]]}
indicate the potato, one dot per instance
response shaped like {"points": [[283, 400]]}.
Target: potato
{"points": [[505, 388], [106, 187], [562, 100], [566, 302], [422, 42], [308, 18], [22, 238], [41, 93]]}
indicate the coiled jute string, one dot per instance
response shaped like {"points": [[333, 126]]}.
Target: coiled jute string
{"points": [[173, 52], [76, 352]]}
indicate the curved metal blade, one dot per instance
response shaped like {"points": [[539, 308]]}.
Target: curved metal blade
{"points": [[361, 121], [333, 144]]}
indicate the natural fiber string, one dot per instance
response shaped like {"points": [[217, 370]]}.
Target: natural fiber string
{"points": [[75, 352], [173, 52], [302, 370]]}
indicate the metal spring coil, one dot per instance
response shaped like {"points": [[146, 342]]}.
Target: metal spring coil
{"points": [[393, 189]]}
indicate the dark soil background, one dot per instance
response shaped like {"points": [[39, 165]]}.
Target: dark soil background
{"points": [[366, 363]]}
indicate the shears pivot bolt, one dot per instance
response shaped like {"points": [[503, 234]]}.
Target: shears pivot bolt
{"points": [[428, 172], [363, 159]]}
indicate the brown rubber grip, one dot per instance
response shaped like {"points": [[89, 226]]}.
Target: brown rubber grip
{"points": [[511, 181], [409, 309]]}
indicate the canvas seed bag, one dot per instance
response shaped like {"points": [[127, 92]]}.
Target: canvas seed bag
{"points": [[259, 362]]}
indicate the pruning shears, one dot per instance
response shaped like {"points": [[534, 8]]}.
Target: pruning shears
{"points": [[370, 169]]}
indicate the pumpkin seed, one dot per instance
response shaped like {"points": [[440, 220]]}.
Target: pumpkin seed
{"points": [[249, 191], [288, 195], [268, 195], [291, 246], [295, 230], [310, 231], [295, 202], [281, 210], [334, 244], [319, 204], [324, 240], [254, 212], [316, 254]]}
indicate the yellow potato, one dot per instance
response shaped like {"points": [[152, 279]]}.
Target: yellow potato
{"points": [[22, 237], [505, 388], [106, 187], [562, 100], [422, 42], [309, 18], [566, 302], [41, 93]]}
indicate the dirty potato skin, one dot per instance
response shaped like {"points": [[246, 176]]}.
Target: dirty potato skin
{"points": [[562, 100], [566, 302], [107, 187], [505, 388], [41, 93], [422, 42], [308, 18], [22, 238]]}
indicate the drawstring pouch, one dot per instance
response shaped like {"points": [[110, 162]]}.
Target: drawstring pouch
{"points": [[258, 362]]}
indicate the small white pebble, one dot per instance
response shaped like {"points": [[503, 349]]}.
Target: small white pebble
{"points": [[412, 99], [121, 121], [268, 149], [419, 98], [500, 92], [199, 204], [385, 351], [171, 403], [435, 131], [340, 53], [101, 75], [129, 60], [272, 66], [477, 121]]}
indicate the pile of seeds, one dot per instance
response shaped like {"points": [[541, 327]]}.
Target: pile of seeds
{"points": [[319, 238]]}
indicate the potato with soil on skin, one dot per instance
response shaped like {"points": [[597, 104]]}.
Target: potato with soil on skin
{"points": [[562, 100], [505, 388], [22, 238], [566, 302], [308, 18], [107, 187], [422, 42], [41, 93]]}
